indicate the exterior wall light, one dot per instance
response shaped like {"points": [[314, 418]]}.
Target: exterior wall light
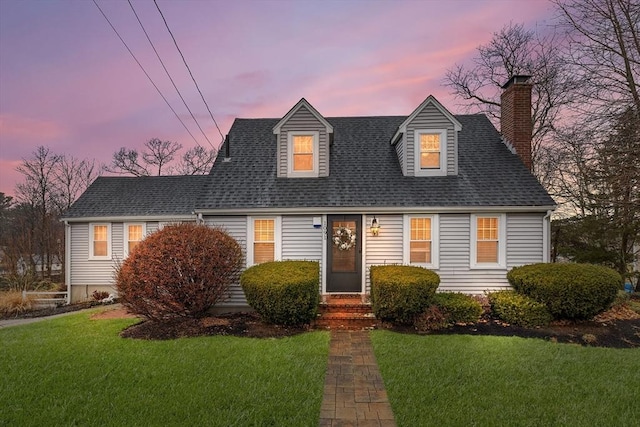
{"points": [[375, 227]]}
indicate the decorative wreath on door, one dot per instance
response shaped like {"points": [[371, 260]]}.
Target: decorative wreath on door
{"points": [[344, 238]]}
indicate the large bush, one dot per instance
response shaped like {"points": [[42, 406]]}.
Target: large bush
{"points": [[179, 271], [283, 292], [518, 309], [570, 291], [400, 292]]}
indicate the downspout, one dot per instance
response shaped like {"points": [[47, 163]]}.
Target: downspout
{"points": [[67, 259], [546, 236]]}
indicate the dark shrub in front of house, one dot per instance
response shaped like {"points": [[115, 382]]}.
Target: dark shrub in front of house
{"points": [[458, 308], [400, 292], [283, 292], [179, 271], [448, 308], [517, 309], [570, 291]]}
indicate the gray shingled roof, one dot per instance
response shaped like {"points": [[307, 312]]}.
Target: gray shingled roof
{"points": [[141, 196], [365, 172]]}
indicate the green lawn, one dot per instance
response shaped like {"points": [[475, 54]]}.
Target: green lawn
{"points": [[76, 371], [496, 381]]}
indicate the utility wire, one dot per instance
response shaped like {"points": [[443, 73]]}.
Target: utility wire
{"points": [[169, 75], [145, 72], [189, 69]]}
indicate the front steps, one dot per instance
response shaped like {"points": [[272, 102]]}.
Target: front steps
{"points": [[345, 311]]}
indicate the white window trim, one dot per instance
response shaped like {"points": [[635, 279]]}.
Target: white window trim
{"points": [[316, 155], [91, 241], [435, 241], [277, 236], [125, 243], [502, 242], [442, 170]]}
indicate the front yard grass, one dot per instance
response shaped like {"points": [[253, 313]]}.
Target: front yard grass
{"points": [[76, 371], [465, 380]]}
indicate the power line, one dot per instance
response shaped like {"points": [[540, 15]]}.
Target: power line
{"points": [[169, 75], [145, 72], [189, 69]]}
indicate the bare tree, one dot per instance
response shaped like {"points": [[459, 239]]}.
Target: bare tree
{"points": [[197, 161], [515, 50], [602, 45], [158, 158], [51, 184]]}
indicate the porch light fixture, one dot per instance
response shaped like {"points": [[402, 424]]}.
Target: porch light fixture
{"points": [[375, 227]]}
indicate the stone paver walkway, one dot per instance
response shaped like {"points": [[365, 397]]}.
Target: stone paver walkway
{"points": [[354, 393]]}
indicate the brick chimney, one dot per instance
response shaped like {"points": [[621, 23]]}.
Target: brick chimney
{"points": [[515, 117]]}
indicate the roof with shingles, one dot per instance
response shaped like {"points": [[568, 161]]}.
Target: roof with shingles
{"points": [[365, 171], [160, 196]]}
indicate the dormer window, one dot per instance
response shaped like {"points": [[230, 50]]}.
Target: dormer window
{"points": [[303, 152], [430, 152]]}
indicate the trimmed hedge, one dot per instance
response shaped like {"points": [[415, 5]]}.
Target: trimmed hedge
{"points": [[570, 291], [400, 292], [458, 308], [283, 292], [518, 309]]}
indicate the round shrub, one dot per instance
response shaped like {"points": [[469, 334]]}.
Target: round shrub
{"points": [[570, 291], [458, 308], [283, 292], [517, 309], [179, 271], [400, 292]]}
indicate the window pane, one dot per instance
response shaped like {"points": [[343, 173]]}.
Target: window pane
{"points": [[303, 144], [429, 160], [99, 248], [420, 252], [263, 230], [132, 244], [487, 229], [487, 251], [135, 232], [302, 162], [263, 252], [420, 228], [100, 233], [429, 142]]}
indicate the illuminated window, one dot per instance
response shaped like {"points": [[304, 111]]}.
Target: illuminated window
{"points": [[303, 154], [134, 233], [488, 244], [100, 245], [420, 240], [430, 148], [263, 240], [420, 244]]}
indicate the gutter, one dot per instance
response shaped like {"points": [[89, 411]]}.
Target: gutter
{"points": [[381, 210]]}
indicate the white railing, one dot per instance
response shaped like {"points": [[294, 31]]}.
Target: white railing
{"points": [[52, 298]]}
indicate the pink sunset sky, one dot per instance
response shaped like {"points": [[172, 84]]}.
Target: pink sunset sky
{"points": [[68, 83]]}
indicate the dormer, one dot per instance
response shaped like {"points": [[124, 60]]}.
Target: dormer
{"points": [[303, 137], [427, 141]]}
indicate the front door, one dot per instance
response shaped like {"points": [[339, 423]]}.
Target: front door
{"points": [[344, 253]]}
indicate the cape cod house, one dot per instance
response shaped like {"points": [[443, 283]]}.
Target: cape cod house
{"points": [[443, 191]]}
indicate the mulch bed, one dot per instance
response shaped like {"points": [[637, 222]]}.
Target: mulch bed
{"points": [[616, 328]]}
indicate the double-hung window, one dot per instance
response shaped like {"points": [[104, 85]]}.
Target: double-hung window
{"points": [[303, 154], [264, 246], [100, 241], [430, 147], [488, 241], [421, 240], [133, 235]]}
